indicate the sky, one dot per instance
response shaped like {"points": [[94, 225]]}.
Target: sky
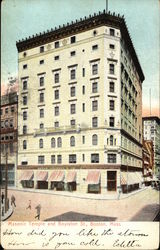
{"points": [[23, 18]]}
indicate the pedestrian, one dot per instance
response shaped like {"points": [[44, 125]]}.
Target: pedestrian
{"points": [[13, 200], [2, 197], [29, 205], [38, 211]]}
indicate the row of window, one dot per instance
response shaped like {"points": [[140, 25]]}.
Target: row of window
{"points": [[7, 124], [94, 124], [112, 158], [6, 110], [10, 148]]}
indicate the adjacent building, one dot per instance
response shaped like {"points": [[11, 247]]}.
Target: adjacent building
{"points": [[80, 106], [8, 143], [151, 130]]}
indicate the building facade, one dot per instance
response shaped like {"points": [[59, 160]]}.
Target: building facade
{"points": [[151, 130], [80, 105], [9, 122]]}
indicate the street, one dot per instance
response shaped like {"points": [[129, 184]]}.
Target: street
{"points": [[142, 206]]}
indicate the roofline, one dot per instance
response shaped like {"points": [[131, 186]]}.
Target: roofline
{"points": [[151, 118], [87, 23]]}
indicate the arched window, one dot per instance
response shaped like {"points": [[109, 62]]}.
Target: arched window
{"points": [[59, 142], [111, 140], [94, 139], [41, 143], [72, 141], [53, 142], [24, 144]]}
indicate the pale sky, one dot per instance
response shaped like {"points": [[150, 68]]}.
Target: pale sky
{"points": [[23, 18]]}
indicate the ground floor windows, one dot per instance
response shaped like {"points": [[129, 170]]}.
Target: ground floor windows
{"points": [[27, 184], [111, 180], [94, 188], [94, 158]]}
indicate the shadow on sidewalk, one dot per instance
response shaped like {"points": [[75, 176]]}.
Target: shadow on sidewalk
{"points": [[73, 216], [147, 213]]}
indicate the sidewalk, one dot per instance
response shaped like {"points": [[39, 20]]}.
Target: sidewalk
{"points": [[112, 196], [8, 214]]}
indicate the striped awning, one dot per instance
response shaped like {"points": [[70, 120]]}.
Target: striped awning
{"points": [[123, 178], [139, 177], [42, 176], [27, 175], [71, 176], [146, 162], [57, 175], [93, 177]]}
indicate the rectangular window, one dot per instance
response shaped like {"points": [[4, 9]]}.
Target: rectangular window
{"points": [[73, 74], [56, 44], [41, 111], [95, 47], [59, 159], [56, 94], [83, 89], [25, 85], [83, 157], [1, 111], [94, 158], [94, 87], [83, 107], [56, 58], [72, 53], [41, 97], [41, 49], [25, 66], [41, 62], [111, 158], [73, 39], [24, 100], [94, 105], [56, 111], [94, 69], [41, 159], [111, 121], [111, 69], [56, 124], [24, 129], [73, 108], [83, 139], [83, 72], [11, 121], [72, 158], [111, 105], [72, 91], [73, 122], [112, 32], [111, 46], [41, 125], [6, 110], [56, 78], [94, 122], [25, 115], [111, 86], [41, 81], [53, 159]]}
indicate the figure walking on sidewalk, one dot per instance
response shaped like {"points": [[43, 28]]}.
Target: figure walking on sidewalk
{"points": [[29, 205], [2, 197], [13, 200], [38, 211]]}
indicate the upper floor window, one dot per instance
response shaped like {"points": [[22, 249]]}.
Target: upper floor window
{"points": [[56, 78], [41, 97], [72, 141], [41, 159], [94, 105], [83, 72], [111, 104], [1, 111], [111, 69], [94, 122], [41, 62], [24, 85], [73, 122], [94, 69], [41, 81], [73, 74], [111, 86], [56, 94], [111, 32], [56, 58], [25, 115], [73, 108], [59, 159], [53, 143], [56, 111], [59, 142], [41, 49], [111, 46], [112, 158], [83, 89], [56, 44], [83, 139], [95, 47], [25, 66], [94, 87], [24, 144], [53, 159], [41, 125], [41, 143], [111, 140], [73, 39], [94, 158], [24, 100], [56, 124], [72, 91], [41, 113], [94, 139], [83, 107], [73, 53], [11, 123], [24, 129], [6, 110], [111, 121], [72, 158]]}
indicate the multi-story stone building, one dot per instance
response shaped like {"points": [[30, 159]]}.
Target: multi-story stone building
{"points": [[80, 105], [9, 111], [151, 130]]}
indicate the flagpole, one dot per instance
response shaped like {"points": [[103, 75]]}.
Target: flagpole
{"points": [[106, 5]]}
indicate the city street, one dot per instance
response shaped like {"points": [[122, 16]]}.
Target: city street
{"points": [[142, 206]]}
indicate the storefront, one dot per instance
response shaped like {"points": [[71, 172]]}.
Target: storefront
{"points": [[42, 180], [94, 181], [71, 184], [27, 179], [57, 180], [111, 180]]}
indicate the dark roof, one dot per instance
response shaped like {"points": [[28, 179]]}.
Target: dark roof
{"points": [[9, 99], [87, 23], [151, 118]]}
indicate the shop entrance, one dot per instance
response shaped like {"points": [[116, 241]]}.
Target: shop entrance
{"points": [[111, 180]]}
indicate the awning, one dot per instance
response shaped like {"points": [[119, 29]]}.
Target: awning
{"points": [[57, 175], [93, 177], [147, 179], [139, 177], [27, 175], [42, 176], [146, 162], [123, 178], [71, 176], [131, 178]]}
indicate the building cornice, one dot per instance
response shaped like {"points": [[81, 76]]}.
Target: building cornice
{"points": [[87, 23]]}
